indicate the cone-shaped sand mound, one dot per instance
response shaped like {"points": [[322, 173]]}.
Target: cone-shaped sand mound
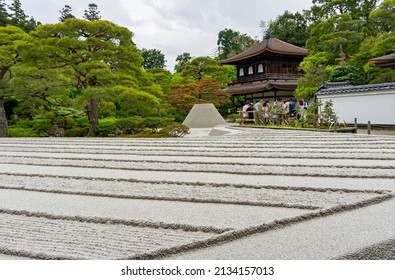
{"points": [[204, 116]]}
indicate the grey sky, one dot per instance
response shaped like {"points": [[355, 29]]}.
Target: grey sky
{"points": [[174, 26]]}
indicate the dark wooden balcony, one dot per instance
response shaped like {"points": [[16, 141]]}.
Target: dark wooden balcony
{"points": [[267, 77]]}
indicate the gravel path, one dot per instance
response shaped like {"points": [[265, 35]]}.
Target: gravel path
{"points": [[197, 197]]}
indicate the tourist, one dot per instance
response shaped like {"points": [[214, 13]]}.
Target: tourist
{"points": [[302, 108], [286, 110], [259, 115], [292, 108], [246, 111], [266, 112]]}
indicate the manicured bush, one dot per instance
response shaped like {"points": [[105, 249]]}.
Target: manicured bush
{"points": [[175, 130], [76, 132], [131, 125], [22, 132], [154, 123], [106, 127]]}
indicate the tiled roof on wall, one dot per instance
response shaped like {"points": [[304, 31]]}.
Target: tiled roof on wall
{"points": [[352, 89]]}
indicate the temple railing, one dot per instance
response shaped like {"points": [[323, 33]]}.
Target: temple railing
{"points": [[268, 76]]}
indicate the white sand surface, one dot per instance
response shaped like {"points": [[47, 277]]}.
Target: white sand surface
{"points": [[248, 194], [298, 181], [327, 238], [202, 159], [221, 216]]}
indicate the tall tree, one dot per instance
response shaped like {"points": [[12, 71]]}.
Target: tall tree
{"points": [[314, 67], [92, 13], [3, 13], [153, 59], [184, 96], [65, 13], [288, 27], [98, 55], [19, 18], [339, 36], [383, 18], [231, 42], [182, 61], [206, 67], [10, 38]]}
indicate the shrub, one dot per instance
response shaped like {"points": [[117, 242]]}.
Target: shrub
{"points": [[154, 123], [22, 132], [34, 128], [106, 127], [131, 125], [77, 132], [175, 130]]}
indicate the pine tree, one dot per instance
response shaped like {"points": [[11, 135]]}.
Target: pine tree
{"points": [[92, 13], [65, 13]]}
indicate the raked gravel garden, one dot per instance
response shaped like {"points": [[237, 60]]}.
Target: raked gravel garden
{"points": [[248, 194]]}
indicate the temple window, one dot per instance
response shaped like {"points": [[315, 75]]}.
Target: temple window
{"points": [[260, 68], [250, 70], [241, 72]]}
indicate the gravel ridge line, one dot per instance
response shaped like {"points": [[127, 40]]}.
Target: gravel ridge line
{"points": [[206, 163], [236, 234], [299, 174], [229, 154], [323, 190], [96, 220]]}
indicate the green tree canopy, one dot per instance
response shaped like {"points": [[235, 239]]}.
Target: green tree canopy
{"points": [[19, 18], [92, 13], [289, 27], [232, 42], [97, 54], [153, 59], [383, 17], [65, 13], [11, 37], [3, 13], [182, 61], [206, 67]]}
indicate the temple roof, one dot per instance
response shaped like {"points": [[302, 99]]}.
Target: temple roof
{"points": [[386, 61], [384, 58], [259, 87], [273, 45]]}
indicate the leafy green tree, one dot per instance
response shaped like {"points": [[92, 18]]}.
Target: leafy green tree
{"points": [[19, 18], [314, 67], [232, 42], [339, 36], [182, 61], [10, 38], [383, 18], [153, 59], [349, 73], [206, 67], [288, 27], [92, 13], [3, 13], [162, 78], [97, 55], [65, 13]]}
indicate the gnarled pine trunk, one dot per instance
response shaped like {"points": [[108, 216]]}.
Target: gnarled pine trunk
{"points": [[92, 110], [3, 119]]}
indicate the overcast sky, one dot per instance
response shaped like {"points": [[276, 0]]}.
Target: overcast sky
{"points": [[174, 26]]}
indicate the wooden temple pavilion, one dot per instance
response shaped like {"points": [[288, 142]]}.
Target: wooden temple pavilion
{"points": [[386, 61], [266, 71]]}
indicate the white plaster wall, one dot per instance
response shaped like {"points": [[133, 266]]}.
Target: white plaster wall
{"points": [[377, 107]]}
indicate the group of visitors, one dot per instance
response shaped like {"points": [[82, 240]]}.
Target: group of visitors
{"points": [[262, 112]]}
